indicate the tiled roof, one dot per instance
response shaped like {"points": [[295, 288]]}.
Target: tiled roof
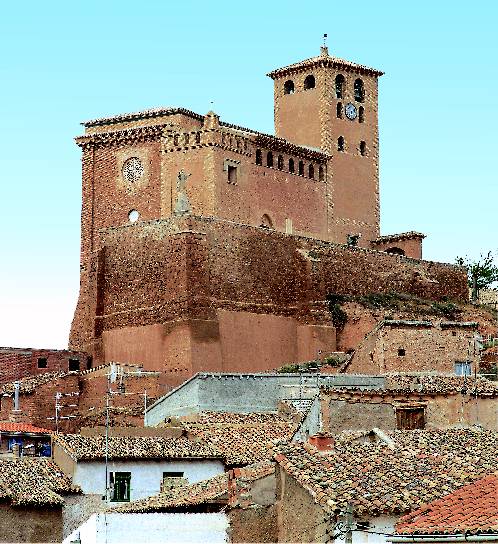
{"points": [[135, 447], [211, 490], [7, 426], [438, 384], [427, 384], [323, 60], [470, 510], [30, 383], [243, 438], [400, 236], [33, 481], [144, 114], [377, 478]]}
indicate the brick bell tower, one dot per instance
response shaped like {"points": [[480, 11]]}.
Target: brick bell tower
{"points": [[332, 104]]}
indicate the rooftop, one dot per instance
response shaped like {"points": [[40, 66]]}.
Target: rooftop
{"points": [[135, 447], [324, 59], [33, 481], [243, 438], [213, 490], [428, 384], [410, 469], [30, 383], [471, 510], [9, 427]]}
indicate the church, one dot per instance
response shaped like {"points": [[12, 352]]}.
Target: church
{"points": [[207, 246]]}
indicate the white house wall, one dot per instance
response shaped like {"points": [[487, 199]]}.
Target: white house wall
{"points": [[151, 528], [146, 476], [375, 533]]}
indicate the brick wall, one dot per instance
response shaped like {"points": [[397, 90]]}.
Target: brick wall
{"points": [[411, 347], [177, 294], [17, 363]]}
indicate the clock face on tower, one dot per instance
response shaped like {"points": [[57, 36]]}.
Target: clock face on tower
{"points": [[351, 111]]}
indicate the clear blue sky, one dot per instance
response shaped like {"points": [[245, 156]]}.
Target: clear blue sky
{"points": [[64, 62]]}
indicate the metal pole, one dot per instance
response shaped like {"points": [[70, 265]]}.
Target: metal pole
{"points": [[145, 408], [107, 445]]}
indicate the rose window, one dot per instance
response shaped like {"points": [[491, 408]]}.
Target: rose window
{"points": [[133, 170]]}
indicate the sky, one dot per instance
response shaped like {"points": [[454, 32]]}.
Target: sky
{"points": [[65, 62]]}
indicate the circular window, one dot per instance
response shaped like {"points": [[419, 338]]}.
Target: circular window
{"points": [[133, 216], [133, 170]]}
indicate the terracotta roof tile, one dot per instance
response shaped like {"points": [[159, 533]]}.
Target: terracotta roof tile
{"points": [[243, 438], [470, 510], [33, 481], [7, 426], [135, 447], [30, 383], [379, 479]]}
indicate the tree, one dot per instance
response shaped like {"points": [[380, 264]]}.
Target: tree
{"points": [[480, 274]]}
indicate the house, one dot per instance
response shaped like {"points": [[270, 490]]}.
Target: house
{"points": [[117, 469], [31, 440], [237, 506], [412, 401], [469, 514], [247, 392], [32, 496], [397, 345], [375, 483]]}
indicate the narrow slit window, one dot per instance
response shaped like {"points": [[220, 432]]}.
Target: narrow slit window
{"points": [[359, 90], [339, 86], [232, 174], [280, 162], [361, 114], [321, 174], [269, 159], [301, 168], [259, 157], [341, 145], [339, 110], [311, 172], [291, 166], [363, 148]]}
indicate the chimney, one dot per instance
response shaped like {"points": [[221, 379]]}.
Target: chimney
{"points": [[322, 441], [17, 387]]}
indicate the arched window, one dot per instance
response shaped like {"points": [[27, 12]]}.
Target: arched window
{"points": [[259, 157], [291, 166], [280, 162], [341, 145], [321, 173], [339, 86], [395, 251], [289, 87], [363, 148], [269, 159], [309, 82], [311, 172], [361, 114], [301, 168], [359, 90], [339, 110], [266, 221]]}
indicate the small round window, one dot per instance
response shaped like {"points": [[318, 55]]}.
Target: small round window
{"points": [[133, 216], [133, 170]]}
